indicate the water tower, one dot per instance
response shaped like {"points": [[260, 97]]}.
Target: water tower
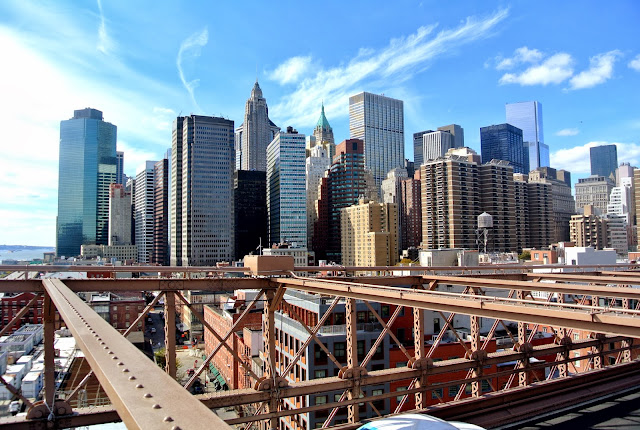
{"points": [[485, 223]]}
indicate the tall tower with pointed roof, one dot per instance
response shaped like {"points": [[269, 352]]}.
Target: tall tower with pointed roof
{"points": [[255, 133], [323, 136]]}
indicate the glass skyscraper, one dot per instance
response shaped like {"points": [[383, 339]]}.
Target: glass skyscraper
{"points": [[87, 168], [286, 189], [504, 142], [379, 122], [527, 116], [604, 160]]}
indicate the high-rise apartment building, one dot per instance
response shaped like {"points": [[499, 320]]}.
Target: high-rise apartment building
{"points": [[527, 116], [604, 160], [161, 197], [497, 198], [521, 212], [202, 191], [541, 225], [379, 122], [120, 216], [450, 201], [144, 211], [564, 205], [120, 176], [317, 164], [457, 132], [251, 216], [588, 229], [594, 190], [346, 182], [504, 142], [369, 234], [286, 200], [87, 168], [255, 133], [411, 212]]}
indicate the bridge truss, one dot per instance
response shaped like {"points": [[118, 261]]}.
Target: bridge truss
{"points": [[594, 315]]}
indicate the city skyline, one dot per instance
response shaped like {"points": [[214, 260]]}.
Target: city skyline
{"points": [[447, 63]]}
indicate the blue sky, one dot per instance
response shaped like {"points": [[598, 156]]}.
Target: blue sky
{"points": [[450, 62]]}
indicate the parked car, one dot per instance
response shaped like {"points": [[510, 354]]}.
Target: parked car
{"points": [[14, 407]]}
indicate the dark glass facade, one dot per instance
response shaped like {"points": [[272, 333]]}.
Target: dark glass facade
{"points": [[604, 160], [87, 168], [160, 253], [504, 142], [346, 182], [251, 221]]}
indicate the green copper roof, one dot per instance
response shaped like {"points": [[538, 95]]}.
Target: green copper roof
{"points": [[322, 121]]}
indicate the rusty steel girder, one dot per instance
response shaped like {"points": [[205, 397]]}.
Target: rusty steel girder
{"points": [[144, 396]]}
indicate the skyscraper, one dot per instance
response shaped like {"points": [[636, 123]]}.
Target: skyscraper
{"points": [[604, 160], [87, 168], [379, 122], [418, 156], [527, 116], [120, 176], [504, 142], [317, 164], [346, 182], [251, 217], [202, 191], [161, 199], [323, 131], [255, 133], [143, 212], [286, 183], [436, 144], [456, 132], [119, 216]]}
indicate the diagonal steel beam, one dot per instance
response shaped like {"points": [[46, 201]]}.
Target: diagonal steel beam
{"points": [[144, 396]]}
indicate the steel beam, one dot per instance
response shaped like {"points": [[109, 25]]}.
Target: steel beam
{"points": [[170, 334], [144, 396], [592, 318], [140, 284]]}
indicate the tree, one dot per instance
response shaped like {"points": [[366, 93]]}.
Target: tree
{"points": [[526, 255]]}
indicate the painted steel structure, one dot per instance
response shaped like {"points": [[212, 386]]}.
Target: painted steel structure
{"points": [[599, 302]]}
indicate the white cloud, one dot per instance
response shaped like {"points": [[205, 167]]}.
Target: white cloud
{"points": [[105, 44], [568, 132], [401, 59], [190, 47], [600, 70], [635, 63], [521, 55], [577, 159], [553, 70], [291, 70]]}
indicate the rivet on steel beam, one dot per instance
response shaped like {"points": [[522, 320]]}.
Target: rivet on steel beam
{"points": [[168, 419], [157, 406], [139, 386], [175, 428], [120, 363], [125, 370], [131, 378], [106, 347], [147, 395]]}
